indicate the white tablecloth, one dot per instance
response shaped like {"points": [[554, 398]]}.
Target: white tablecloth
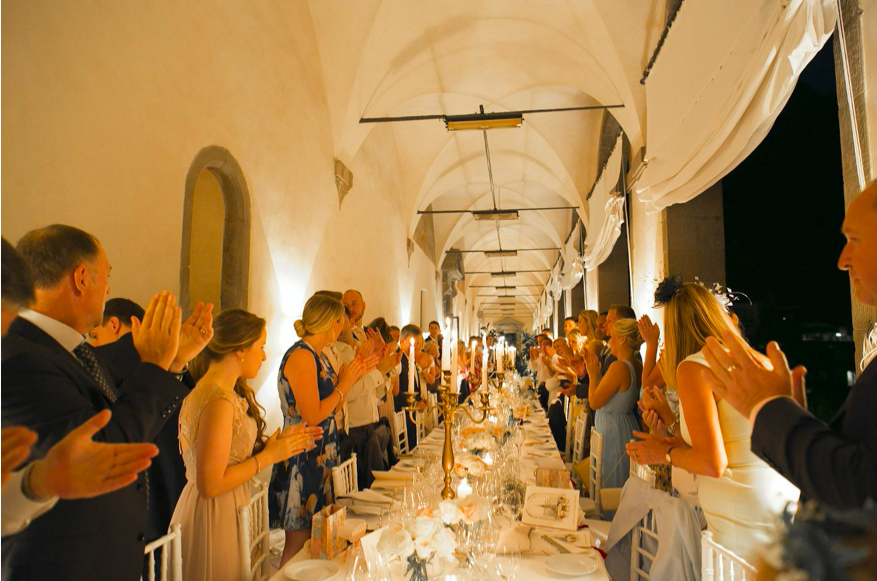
{"points": [[531, 565]]}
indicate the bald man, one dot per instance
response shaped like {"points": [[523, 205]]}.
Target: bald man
{"points": [[837, 467], [352, 299]]}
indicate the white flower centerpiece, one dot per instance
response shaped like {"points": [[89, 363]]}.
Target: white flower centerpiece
{"points": [[423, 541], [467, 517]]}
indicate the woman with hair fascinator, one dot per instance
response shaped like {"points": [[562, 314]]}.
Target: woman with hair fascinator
{"points": [[741, 496]]}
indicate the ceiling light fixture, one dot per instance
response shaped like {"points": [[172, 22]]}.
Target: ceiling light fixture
{"points": [[495, 214], [484, 121], [504, 274], [500, 253]]}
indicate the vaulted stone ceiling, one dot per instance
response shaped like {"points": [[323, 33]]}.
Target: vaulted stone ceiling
{"points": [[398, 57]]}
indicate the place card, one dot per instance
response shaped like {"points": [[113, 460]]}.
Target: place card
{"points": [[551, 507]]}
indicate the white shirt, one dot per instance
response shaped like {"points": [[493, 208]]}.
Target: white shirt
{"points": [[361, 402], [17, 509], [68, 337]]}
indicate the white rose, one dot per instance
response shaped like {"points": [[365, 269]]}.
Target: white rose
{"points": [[423, 547], [450, 512], [474, 508], [395, 543], [444, 544], [422, 527]]}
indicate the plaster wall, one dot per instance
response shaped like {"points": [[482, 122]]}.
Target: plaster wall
{"points": [[107, 103]]}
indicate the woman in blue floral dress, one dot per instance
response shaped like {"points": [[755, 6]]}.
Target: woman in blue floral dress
{"points": [[310, 391]]}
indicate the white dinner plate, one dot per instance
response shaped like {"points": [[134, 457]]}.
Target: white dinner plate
{"points": [[570, 565], [312, 570]]}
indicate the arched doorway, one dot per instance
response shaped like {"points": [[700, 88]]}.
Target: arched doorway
{"points": [[215, 259]]}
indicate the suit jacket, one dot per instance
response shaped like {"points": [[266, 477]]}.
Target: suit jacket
{"points": [[46, 389], [837, 469], [167, 474]]}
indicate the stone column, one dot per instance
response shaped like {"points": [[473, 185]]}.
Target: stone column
{"points": [[614, 276], [695, 238], [860, 25]]}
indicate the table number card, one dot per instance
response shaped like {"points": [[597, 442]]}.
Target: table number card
{"points": [[551, 507]]}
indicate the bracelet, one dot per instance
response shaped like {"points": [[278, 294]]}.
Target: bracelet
{"points": [[672, 429], [258, 464], [340, 395]]}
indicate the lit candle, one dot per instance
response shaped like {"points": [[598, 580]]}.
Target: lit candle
{"points": [[499, 359], [472, 360], [446, 346], [484, 361], [463, 488], [411, 365], [455, 364]]}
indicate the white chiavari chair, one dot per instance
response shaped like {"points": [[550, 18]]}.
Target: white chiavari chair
{"points": [[720, 564], [434, 413], [171, 559], [643, 472], [644, 541], [255, 543], [593, 504], [344, 477], [400, 434]]}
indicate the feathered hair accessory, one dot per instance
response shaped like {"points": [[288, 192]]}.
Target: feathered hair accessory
{"points": [[667, 289], [670, 287]]}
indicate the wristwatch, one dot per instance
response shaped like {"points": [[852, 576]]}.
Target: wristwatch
{"points": [[667, 458]]}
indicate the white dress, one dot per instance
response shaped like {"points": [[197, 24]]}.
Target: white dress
{"points": [[740, 506]]}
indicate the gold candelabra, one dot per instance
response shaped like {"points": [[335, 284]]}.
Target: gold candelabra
{"points": [[448, 406]]}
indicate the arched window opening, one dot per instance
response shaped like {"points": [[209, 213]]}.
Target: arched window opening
{"points": [[214, 266]]}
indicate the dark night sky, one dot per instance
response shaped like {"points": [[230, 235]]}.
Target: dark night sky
{"points": [[783, 210], [784, 206]]}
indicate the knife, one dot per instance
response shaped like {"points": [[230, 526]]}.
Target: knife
{"points": [[560, 548]]}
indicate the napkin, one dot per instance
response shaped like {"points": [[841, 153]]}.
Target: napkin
{"points": [[515, 539], [369, 496]]}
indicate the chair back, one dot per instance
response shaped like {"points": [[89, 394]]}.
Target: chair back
{"points": [[595, 484], [400, 433], [344, 477], [643, 547], [643, 472], [255, 544], [578, 445], [719, 564], [171, 556], [434, 413]]}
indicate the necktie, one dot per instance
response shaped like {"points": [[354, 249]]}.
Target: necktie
{"points": [[85, 353]]}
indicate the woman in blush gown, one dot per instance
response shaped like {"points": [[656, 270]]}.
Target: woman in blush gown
{"points": [[741, 496], [223, 446]]}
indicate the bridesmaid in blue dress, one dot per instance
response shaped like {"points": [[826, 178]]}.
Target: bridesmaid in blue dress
{"points": [[614, 397], [310, 391]]}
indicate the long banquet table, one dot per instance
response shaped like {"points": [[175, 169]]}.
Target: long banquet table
{"points": [[531, 566]]}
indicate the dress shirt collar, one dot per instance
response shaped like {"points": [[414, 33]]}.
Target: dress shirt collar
{"points": [[68, 337]]}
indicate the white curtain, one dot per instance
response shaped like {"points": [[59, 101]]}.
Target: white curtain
{"points": [[573, 268], [720, 80], [605, 212]]}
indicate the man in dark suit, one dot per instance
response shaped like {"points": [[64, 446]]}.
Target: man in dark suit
{"points": [[53, 381], [167, 474], [835, 467], [116, 323]]}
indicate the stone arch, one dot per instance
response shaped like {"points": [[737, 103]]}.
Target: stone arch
{"points": [[235, 258]]}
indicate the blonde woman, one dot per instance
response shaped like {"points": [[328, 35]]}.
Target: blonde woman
{"points": [[310, 392], [740, 494], [223, 444], [614, 396]]}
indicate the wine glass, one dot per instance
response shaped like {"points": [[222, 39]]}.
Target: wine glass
{"points": [[507, 565]]}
